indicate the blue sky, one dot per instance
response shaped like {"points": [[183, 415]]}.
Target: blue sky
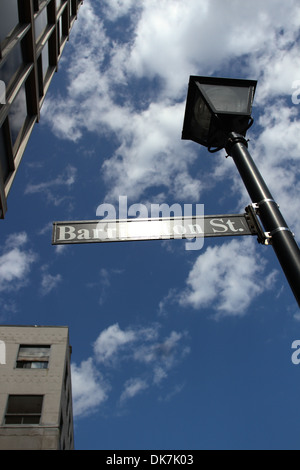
{"points": [[172, 349]]}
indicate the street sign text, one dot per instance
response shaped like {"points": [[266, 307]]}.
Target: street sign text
{"points": [[100, 231]]}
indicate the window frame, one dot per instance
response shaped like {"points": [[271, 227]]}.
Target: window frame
{"points": [[21, 416], [31, 359]]}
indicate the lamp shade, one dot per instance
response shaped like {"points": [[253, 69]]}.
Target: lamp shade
{"points": [[215, 107]]}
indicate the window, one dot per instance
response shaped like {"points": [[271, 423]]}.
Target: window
{"points": [[18, 114], [45, 60], [59, 3], [59, 31], [37, 4], [41, 24], [24, 409], [74, 7], [11, 67], [33, 357], [4, 161], [11, 18]]}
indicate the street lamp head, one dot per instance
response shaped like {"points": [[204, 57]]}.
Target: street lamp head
{"points": [[216, 107]]}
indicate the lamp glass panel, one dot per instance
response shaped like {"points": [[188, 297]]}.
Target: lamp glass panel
{"points": [[202, 116], [228, 99]]}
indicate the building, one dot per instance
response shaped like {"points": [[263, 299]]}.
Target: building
{"points": [[35, 388], [33, 34]]}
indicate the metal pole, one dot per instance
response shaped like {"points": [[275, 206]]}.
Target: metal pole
{"points": [[282, 239]]}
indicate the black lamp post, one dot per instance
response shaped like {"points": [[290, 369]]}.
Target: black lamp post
{"points": [[218, 115]]}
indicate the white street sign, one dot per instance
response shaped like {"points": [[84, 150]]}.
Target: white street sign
{"points": [[100, 231]]}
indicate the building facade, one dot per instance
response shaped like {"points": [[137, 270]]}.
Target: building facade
{"points": [[35, 388], [33, 34]]}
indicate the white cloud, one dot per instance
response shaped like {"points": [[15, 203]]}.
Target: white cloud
{"points": [[297, 316], [89, 390], [49, 282], [162, 353], [49, 188], [169, 41], [177, 389], [149, 155], [67, 179], [118, 8], [131, 88], [15, 266], [142, 349], [159, 374], [173, 37], [227, 278], [15, 263], [60, 249], [16, 240], [132, 387], [110, 341]]}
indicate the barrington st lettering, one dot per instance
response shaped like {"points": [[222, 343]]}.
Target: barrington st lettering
{"points": [[149, 229], [72, 232], [128, 230]]}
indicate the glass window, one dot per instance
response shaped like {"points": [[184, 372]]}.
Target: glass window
{"points": [[65, 24], [40, 24], [3, 156], [59, 3], [11, 65], [74, 7], [32, 365], [231, 99], [18, 114], [33, 357], [24, 409], [59, 33], [9, 17], [2, 92], [45, 60], [33, 351]]}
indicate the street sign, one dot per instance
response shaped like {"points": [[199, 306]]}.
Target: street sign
{"points": [[172, 228]]}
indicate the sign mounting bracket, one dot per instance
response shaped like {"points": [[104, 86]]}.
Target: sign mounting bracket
{"points": [[263, 238]]}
